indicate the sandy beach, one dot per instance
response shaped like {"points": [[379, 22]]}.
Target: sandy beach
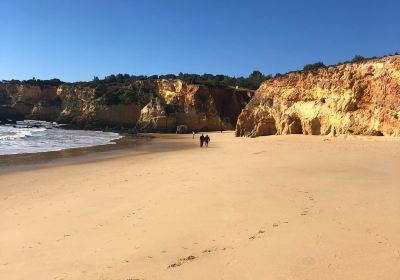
{"points": [[278, 207]]}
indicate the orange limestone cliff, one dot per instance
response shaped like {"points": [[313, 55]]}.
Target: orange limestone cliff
{"points": [[151, 105], [355, 98], [176, 104]]}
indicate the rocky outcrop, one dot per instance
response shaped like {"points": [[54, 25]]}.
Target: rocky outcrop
{"points": [[82, 107], [68, 104], [163, 106], [18, 102], [196, 107], [357, 98]]}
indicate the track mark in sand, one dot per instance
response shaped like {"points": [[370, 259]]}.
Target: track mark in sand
{"points": [[181, 261], [261, 232], [191, 258], [275, 225], [309, 201], [175, 264], [129, 215], [260, 152], [304, 212], [257, 235], [213, 250]]}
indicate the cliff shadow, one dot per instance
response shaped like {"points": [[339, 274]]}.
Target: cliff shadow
{"points": [[294, 125]]}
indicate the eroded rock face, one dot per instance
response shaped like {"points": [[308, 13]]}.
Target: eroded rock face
{"points": [[164, 106], [20, 102], [81, 107], [196, 107], [357, 98]]}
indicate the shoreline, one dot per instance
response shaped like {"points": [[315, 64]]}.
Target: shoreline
{"points": [[25, 161], [128, 145]]}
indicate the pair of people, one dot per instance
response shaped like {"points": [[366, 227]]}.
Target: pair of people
{"points": [[204, 140]]}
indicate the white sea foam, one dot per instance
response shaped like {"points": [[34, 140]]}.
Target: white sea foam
{"points": [[44, 137], [16, 135]]}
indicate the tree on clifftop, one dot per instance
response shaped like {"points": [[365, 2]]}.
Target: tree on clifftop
{"points": [[358, 58], [314, 66]]}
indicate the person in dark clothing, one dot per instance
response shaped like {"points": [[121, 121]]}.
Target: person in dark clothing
{"points": [[202, 138], [207, 139]]}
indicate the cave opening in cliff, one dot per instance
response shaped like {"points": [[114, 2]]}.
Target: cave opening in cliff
{"points": [[295, 126]]}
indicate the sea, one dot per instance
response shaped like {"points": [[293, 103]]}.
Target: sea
{"points": [[31, 136]]}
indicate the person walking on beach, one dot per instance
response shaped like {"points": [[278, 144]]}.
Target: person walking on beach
{"points": [[202, 138], [207, 139], [193, 134]]}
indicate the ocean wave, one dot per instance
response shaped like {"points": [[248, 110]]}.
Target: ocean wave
{"points": [[17, 135], [18, 139]]}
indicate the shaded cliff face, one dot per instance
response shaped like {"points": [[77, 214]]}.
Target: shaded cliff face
{"points": [[358, 98], [194, 107], [18, 102], [82, 106], [151, 105], [68, 104]]}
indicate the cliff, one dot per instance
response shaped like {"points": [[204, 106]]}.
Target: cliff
{"points": [[157, 105], [195, 107], [356, 98]]}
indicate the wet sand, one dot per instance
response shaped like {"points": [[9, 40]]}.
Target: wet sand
{"points": [[280, 207], [26, 161]]}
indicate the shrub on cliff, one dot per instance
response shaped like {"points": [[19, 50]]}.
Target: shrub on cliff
{"points": [[114, 94], [119, 96], [358, 58], [256, 78], [56, 101], [314, 66]]}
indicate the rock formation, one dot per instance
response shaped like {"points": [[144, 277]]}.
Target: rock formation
{"points": [[23, 101], [163, 106], [355, 98], [196, 107], [67, 104]]}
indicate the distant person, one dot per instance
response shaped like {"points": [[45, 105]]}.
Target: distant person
{"points": [[193, 134], [202, 138], [206, 140]]}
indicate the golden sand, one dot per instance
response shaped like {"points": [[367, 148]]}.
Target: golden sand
{"points": [[280, 207]]}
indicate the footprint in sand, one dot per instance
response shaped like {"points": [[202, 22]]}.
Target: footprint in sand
{"points": [[304, 213], [213, 250], [181, 261], [190, 258], [175, 264], [257, 235]]}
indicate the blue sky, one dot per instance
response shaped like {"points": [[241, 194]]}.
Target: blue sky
{"points": [[76, 40]]}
